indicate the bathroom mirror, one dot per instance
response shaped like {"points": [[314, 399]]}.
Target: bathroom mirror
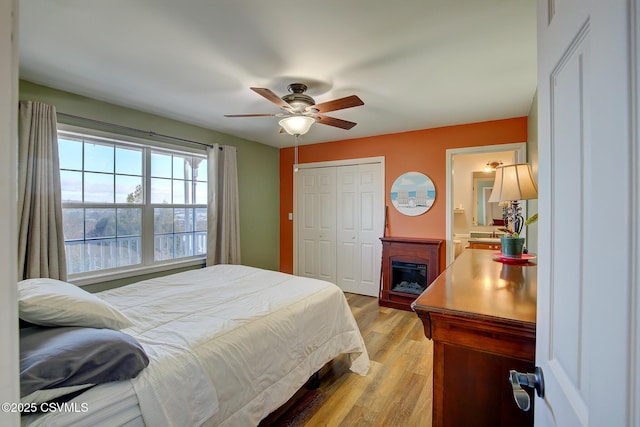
{"points": [[485, 213]]}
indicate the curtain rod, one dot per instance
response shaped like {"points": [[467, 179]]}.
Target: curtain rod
{"points": [[145, 132]]}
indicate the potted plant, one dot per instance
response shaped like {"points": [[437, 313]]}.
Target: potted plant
{"points": [[512, 244]]}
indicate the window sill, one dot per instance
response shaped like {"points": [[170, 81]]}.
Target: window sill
{"points": [[95, 277]]}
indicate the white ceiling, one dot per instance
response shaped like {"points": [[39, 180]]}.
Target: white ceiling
{"points": [[416, 64]]}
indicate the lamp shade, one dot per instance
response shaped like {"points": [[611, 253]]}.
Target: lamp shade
{"points": [[297, 125], [514, 182]]}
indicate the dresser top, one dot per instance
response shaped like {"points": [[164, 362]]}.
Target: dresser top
{"points": [[476, 286]]}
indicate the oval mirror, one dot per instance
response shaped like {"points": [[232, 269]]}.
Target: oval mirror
{"points": [[413, 193]]}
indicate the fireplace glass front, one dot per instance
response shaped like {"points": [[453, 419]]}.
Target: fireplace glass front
{"points": [[408, 277]]}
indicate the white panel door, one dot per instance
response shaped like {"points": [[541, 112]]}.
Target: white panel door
{"points": [[348, 257], [371, 207], [317, 223], [360, 226], [585, 273]]}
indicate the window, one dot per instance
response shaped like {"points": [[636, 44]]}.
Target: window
{"points": [[127, 205]]}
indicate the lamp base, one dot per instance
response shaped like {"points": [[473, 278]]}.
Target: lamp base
{"points": [[514, 217]]}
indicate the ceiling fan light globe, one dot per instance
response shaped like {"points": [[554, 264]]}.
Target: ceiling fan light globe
{"points": [[297, 125]]}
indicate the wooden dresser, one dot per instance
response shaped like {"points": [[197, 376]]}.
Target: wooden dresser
{"points": [[481, 316]]}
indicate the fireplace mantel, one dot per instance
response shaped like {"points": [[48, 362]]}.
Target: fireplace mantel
{"points": [[410, 250]]}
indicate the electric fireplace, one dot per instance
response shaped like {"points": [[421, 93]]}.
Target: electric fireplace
{"points": [[409, 265], [408, 277]]}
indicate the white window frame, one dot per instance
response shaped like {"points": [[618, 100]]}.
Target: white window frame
{"points": [[148, 265]]}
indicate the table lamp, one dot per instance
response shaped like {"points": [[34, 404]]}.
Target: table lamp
{"points": [[514, 183]]}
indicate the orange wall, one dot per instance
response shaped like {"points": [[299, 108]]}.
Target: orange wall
{"points": [[420, 151]]}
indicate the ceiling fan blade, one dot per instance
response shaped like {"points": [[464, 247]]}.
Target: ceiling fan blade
{"points": [[249, 115], [332, 121], [337, 104], [269, 95]]}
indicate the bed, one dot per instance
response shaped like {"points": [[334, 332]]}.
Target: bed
{"points": [[226, 345]]}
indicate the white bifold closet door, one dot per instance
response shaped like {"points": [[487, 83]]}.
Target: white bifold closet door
{"points": [[316, 219], [340, 222], [360, 224]]}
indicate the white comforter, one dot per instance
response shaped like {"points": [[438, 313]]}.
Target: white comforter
{"points": [[229, 344]]}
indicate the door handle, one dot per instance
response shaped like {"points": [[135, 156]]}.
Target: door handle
{"points": [[535, 381]]}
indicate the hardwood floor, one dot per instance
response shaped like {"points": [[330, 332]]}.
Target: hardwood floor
{"points": [[398, 388]]}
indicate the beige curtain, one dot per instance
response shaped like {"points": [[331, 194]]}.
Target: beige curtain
{"points": [[40, 237], [223, 217]]}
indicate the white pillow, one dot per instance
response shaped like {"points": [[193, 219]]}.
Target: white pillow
{"points": [[50, 302]]}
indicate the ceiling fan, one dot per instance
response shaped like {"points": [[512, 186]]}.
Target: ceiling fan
{"points": [[300, 111]]}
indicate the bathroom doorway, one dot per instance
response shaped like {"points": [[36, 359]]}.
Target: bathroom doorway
{"points": [[470, 169]]}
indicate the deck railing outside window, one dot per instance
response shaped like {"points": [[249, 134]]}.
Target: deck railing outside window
{"points": [[129, 206]]}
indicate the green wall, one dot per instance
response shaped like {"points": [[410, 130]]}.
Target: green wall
{"points": [[258, 167]]}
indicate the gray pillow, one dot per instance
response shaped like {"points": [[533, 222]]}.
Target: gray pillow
{"points": [[67, 356]]}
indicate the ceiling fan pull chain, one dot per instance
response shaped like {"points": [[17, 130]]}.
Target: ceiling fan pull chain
{"points": [[295, 154]]}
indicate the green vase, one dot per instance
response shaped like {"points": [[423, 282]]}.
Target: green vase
{"points": [[512, 246]]}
